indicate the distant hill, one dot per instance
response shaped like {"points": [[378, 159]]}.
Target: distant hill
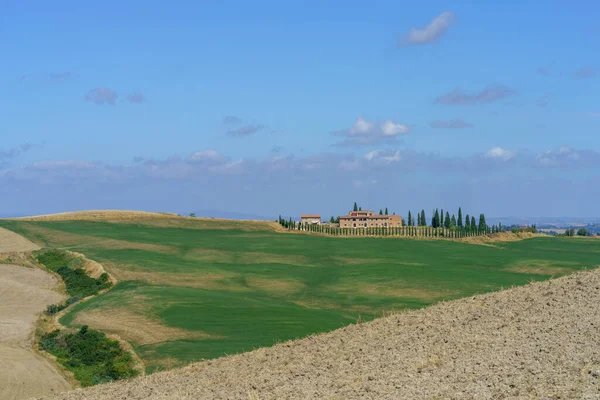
{"points": [[230, 215]]}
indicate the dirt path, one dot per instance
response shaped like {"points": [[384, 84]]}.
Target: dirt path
{"points": [[531, 342], [24, 294]]}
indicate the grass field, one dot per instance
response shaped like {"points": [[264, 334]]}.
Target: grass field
{"points": [[194, 289]]}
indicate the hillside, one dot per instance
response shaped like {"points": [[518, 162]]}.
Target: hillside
{"points": [[191, 289], [536, 341]]}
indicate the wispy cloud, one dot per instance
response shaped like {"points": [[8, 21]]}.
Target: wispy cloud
{"points": [[489, 94], [136, 98], [451, 124], [430, 33], [101, 96], [544, 71], [245, 130], [9, 154], [232, 119], [499, 153], [585, 73], [365, 132], [61, 76]]}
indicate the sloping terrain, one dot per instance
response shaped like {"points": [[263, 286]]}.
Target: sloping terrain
{"points": [[192, 289], [24, 294], [11, 242], [536, 341]]}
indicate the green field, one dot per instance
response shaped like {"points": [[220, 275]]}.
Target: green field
{"points": [[195, 289]]}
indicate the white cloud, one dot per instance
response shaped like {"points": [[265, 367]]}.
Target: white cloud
{"points": [[431, 33], [389, 128], [361, 127], [208, 155], [365, 132], [499, 153], [371, 155]]}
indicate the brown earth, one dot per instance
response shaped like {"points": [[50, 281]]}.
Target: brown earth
{"points": [[11, 242], [531, 342], [24, 294]]}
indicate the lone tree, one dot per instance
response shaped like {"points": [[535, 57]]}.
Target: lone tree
{"points": [[582, 232], [355, 207], [459, 222]]}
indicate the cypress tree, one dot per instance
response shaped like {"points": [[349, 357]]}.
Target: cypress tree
{"points": [[459, 222], [447, 220], [482, 224], [473, 224], [355, 206], [453, 222], [467, 222], [423, 219], [410, 221], [359, 208], [386, 211], [436, 219], [418, 219], [442, 218], [380, 211]]}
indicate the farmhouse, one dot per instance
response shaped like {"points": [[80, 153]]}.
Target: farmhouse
{"points": [[310, 219], [368, 219]]}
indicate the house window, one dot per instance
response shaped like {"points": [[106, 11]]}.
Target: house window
{"points": [[354, 225]]}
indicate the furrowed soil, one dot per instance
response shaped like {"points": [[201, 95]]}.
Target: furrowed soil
{"points": [[531, 342]]}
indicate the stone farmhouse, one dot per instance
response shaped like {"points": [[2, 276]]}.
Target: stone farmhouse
{"points": [[368, 219], [310, 219]]}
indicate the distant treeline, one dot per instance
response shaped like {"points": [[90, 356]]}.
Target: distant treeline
{"points": [[441, 224]]}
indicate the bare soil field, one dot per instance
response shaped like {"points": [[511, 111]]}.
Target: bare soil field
{"points": [[11, 242], [24, 294], [535, 341]]}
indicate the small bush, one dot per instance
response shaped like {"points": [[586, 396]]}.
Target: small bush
{"points": [[90, 355]]}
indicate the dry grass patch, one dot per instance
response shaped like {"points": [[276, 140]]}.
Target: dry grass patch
{"points": [[201, 280], [358, 261], [233, 257], [98, 215], [134, 327], [58, 238], [274, 286], [541, 267], [396, 289]]}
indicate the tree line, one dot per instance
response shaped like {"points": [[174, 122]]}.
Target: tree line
{"points": [[440, 224]]}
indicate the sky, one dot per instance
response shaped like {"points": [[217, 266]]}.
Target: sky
{"points": [[293, 107]]}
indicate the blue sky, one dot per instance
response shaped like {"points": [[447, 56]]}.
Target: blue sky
{"points": [[391, 104]]}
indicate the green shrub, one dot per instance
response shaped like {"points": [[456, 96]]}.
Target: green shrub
{"points": [[79, 284], [90, 355]]}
